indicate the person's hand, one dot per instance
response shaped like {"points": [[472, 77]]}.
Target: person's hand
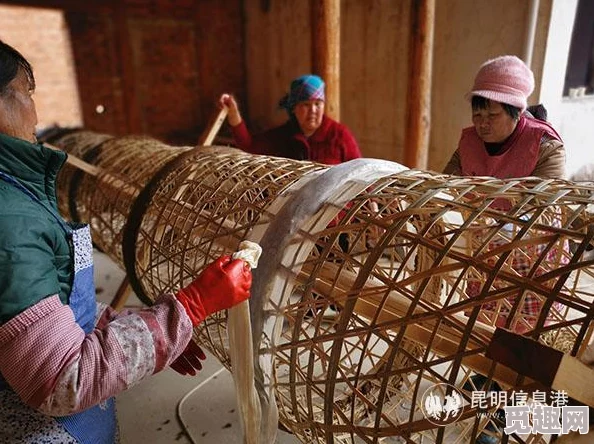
{"points": [[220, 286], [189, 362], [233, 115]]}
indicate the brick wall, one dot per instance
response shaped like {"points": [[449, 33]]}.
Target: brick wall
{"points": [[154, 67], [42, 37]]}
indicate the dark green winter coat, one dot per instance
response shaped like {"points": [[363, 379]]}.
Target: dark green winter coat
{"points": [[35, 254]]}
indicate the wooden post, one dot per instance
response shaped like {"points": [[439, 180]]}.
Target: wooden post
{"points": [[126, 69], [325, 18], [418, 121]]}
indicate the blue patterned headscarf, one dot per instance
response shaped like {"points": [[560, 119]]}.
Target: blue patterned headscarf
{"points": [[307, 87]]}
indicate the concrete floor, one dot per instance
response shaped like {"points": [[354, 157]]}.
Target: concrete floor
{"points": [[171, 408]]}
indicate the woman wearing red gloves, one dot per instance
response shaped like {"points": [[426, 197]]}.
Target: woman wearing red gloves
{"points": [[63, 356]]}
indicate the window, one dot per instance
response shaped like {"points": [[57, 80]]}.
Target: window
{"points": [[580, 66]]}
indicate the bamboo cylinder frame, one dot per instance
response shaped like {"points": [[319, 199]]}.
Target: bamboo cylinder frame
{"points": [[418, 266]]}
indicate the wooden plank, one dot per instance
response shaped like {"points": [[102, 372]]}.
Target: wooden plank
{"points": [[136, 8], [374, 71], [525, 355], [552, 368], [98, 73]]}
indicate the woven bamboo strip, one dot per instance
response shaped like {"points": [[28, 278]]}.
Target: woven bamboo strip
{"points": [[398, 255]]}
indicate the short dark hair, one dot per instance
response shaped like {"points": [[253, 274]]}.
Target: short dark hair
{"points": [[10, 62], [479, 102]]}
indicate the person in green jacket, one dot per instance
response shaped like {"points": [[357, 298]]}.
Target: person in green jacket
{"points": [[63, 356]]}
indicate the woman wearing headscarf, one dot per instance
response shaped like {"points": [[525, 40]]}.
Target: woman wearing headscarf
{"points": [[63, 356], [308, 134]]}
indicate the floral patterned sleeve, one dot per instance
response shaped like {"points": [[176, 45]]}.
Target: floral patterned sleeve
{"points": [[53, 366]]}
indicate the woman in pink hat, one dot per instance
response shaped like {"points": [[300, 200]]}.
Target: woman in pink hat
{"points": [[505, 141]]}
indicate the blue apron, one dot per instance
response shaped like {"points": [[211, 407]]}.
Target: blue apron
{"points": [[96, 425]]}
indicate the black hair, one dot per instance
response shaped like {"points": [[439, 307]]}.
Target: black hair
{"points": [[10, 62], [479, 102]]}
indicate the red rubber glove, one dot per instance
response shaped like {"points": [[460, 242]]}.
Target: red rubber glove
{"points": [[188, 363], [220, 286]]}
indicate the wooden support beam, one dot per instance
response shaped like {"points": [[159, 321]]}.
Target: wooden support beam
{"points": [[395, 307], [325, 18], [128, 188], [418, 120]]}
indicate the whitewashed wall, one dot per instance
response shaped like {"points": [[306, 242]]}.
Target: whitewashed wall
{"points": [[572, 117]]}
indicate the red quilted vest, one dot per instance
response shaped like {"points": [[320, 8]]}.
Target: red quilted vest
{"points": [[517, 158]]}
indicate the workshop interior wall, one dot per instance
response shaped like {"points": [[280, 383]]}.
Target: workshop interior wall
{"points": [[127, 67], [375, 64], [42, 36], [148, 67]]}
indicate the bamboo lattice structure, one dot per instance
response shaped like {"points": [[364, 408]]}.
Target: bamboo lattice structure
{"points": [[419, 267]]}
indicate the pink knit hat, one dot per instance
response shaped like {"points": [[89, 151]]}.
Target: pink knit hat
{"points": [[504, 79]]}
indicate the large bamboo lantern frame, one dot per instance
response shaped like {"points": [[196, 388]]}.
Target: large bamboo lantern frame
{"points": [[396, 252]]}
